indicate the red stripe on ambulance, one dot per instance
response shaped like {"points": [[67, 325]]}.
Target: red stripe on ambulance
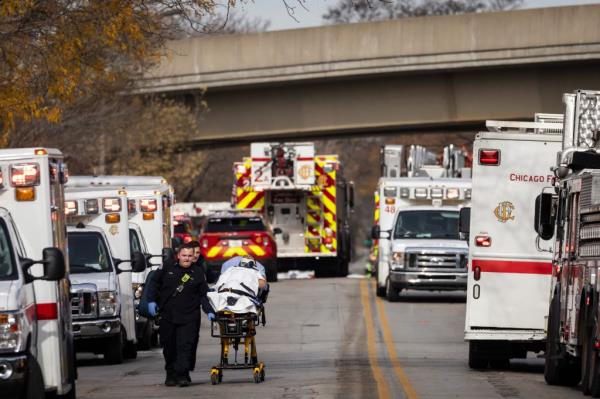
{"points": [[512, 266]]}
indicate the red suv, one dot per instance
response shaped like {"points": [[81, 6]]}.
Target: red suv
{"points": [[230, 234], [182, 226]]}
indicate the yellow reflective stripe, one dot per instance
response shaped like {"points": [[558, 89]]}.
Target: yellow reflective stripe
{"points": [[260, 203], [258, 251], [236, 251], [214, 251], [244, 203]]}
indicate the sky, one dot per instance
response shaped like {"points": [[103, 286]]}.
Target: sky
{"points": [[275, 11]]}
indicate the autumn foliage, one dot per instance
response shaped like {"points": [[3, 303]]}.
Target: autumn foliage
{"points": [[53, 52]]}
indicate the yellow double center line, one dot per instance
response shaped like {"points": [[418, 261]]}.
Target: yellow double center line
{"points": [[382, 385]]}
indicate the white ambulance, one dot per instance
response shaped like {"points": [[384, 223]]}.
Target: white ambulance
{"points": [[102, 265], [417, 231], [509, 277], [36, 344], [149, 203]]}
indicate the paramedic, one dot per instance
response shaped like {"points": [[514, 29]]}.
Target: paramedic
{"points": [[177, 291]]}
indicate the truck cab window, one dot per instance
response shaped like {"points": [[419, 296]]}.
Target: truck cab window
{"points": [[134, 241], [427, 224], [88, 253]]}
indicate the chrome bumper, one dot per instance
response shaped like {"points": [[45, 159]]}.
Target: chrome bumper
{"points": [[433, 281], [96, 328]]}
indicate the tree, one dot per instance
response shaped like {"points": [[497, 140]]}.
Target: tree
{"points": [[348, 11], [54, 52]]}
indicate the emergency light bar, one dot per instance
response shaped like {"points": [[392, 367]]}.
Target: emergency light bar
{"points": [[25, 175], [91, 206], [148, 205], [70, 208], [111, 204]]}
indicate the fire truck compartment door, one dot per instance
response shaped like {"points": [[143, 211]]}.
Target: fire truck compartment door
{"points": [[289, 217]]}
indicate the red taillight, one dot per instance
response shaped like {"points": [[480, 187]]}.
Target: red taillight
{"points": [[489, 157], [187, 238], [483, 241], [205, 243], [477, 273], [328, 240], [148, 205], [25, 175]]}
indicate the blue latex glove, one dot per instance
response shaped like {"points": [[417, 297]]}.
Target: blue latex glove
{"points": [[211, 316], [152, 308]]}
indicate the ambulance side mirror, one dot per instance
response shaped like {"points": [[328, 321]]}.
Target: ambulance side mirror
{"points": [[168, 255], [277, 230], [464, 223], [54, 265], [545, 216], [138, 263], [375, 231]]}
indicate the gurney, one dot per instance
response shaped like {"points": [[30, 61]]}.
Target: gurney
{"points": [[239, 308]]}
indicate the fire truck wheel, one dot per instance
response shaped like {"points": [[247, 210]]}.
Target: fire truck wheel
{"points": [[380, 291], [130, 350], [559, 367], [392, 292], [271, 272], [34, 388], [476, 361], [113, 350], [342, 269]]}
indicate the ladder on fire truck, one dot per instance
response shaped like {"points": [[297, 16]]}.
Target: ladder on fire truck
{"points": [[542, 124]]}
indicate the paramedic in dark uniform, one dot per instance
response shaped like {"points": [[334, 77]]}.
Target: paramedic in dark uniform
{"points": [[176, 292]]}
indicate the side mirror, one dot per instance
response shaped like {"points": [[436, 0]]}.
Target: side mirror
{"points": [[138, 262], [54, 265], [545, 215], [375, 232], [176, 242], [277, 230], [464, 223]]}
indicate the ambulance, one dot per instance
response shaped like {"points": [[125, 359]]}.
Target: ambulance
{"points": [[306, 200], [149, 203], [569, 212], [418, 246], [509, 271], [36, 344], [101, 270]]}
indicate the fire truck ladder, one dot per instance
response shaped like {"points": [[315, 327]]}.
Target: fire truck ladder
{"points": [[545, 124]]}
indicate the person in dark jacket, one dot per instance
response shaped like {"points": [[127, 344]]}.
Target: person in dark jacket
{"points": [[177, 291]]}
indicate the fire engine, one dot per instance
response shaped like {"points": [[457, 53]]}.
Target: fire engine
{"points": [[417, 220], [36, 354], [570, 211], [102, 265], [508, 278], [305, 198]]}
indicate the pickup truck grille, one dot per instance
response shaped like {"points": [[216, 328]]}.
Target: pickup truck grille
{"points": [[84, 305], [436, 260]]}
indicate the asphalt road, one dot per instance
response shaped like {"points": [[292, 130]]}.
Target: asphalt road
{"points": [[332, 338]]}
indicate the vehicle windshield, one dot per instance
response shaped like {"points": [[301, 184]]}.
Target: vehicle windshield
{"points": [[181, 228], [88, 253], [7, 262], [134, 242], [427, 224], [221, 225]]}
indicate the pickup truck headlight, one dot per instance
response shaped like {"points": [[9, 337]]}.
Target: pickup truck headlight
{"points": [[108, 303], [397, 260], [12, 326]]}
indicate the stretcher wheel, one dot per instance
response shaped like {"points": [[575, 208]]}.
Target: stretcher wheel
{"points": [[262, 374], [220, 376], [257, 375], [214, 376]]}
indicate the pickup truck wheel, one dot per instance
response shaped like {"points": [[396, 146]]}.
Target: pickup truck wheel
{"points": [[34, 388], [392, 293], [380, 291], [113, 350]]}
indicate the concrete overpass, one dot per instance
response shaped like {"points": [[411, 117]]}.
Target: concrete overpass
{"points": [[409, 74]]}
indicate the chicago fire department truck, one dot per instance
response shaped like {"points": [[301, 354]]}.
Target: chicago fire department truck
{"points": [[570, 211], [417, 221], [36, 344], [305, 198], [508, 279]]}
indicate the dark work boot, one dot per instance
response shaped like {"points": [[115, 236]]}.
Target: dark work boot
{"points": [[171, 380], [184, 380]]}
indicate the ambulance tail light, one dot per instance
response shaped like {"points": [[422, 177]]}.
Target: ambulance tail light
{"points": [[25, 175], [70, 208], [111, 204], [489, 157], [112, 218], [1, 180], [483, 241], [148, 216], [452, 193], [148, 205], [91, 206], [390, 201], [421, 192], [40, 151], [25, 193]]}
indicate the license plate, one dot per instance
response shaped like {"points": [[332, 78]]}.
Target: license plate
{"points": [[235, 243]]}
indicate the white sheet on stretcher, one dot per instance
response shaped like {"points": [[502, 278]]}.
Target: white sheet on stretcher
{"points": [[233, 278]]}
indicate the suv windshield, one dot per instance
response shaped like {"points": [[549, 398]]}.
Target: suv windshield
{"points": [[427, 224], [221, 225], [7, 262], [88, 253]]}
